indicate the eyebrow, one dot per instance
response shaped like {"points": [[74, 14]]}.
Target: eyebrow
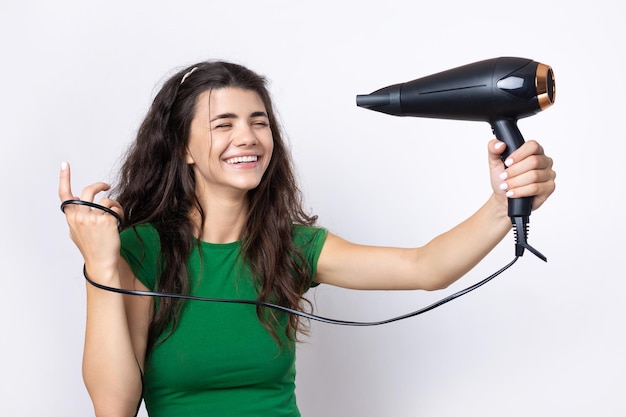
{"points": [[234, 116]]}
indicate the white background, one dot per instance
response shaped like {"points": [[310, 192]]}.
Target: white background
{"points": [[541, 340]]}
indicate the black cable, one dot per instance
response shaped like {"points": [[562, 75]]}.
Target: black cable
{"points": [[276, 306], [301, 313], [93, 205]]}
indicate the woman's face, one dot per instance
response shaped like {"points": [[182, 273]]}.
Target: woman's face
{"points": [[230, 143]]}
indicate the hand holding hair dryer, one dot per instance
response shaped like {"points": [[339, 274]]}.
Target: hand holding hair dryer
{"points": [[499, 91]]}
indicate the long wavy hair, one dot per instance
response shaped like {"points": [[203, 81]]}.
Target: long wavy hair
{"points": [[156, 185]]}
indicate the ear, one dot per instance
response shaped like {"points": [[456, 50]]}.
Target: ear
{"points": [[188, 158]]}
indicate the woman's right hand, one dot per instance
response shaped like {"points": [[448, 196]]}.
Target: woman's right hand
{"points": [[94, 231]]}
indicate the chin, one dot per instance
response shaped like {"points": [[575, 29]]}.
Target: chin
{"points": [[248, 186]]}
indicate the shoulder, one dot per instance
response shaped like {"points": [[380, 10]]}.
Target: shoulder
{"points": [[309, 241], [140, 247], [308, 235], [144, 234], [140, 243]]}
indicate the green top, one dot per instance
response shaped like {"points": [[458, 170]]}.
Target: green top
{"points": [[220, 361]]}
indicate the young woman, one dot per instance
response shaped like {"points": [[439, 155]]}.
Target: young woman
{"points": [[210, 208]]}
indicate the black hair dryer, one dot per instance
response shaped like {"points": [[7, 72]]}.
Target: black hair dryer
{"points": [[499, 91]]}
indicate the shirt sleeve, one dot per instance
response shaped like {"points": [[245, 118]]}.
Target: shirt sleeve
{"points": [[141, 246], [310, 241]]}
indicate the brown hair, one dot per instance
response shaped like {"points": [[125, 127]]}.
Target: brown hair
{"points": [[156, 185]]}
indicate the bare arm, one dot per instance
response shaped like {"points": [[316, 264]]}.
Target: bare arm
{"points": [[452, 254], [116, 328]]}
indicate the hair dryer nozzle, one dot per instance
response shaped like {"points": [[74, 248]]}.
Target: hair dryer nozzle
{"points": [[505, 87], [370, 100], [386, 100]]}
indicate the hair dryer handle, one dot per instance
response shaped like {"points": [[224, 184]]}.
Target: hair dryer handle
{"points": [[507, 131]]}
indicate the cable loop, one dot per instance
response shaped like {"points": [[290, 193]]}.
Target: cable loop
{"points": [[93, 205]]}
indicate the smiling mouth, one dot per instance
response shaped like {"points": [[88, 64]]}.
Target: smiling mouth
{"points": [[242, 159]]}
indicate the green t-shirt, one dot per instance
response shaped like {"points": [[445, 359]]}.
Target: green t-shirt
{"points": [[220, 361]]}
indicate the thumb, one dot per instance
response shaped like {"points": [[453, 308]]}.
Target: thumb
{"points": [[496, 148]]}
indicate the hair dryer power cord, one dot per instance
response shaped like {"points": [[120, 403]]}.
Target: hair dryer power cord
{"points": [[279, 307], [302, 313]]}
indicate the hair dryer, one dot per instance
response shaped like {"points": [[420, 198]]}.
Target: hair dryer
{"points": [[499, 91]]}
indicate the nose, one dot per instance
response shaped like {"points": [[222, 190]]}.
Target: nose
{"points": [[245, 136]]}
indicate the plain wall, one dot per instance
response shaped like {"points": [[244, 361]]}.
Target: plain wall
{"points": [[544, 339]]}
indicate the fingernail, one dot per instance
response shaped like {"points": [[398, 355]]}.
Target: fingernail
{"points": [[504, 186], [504, 175], [508, 162], [63, 166], [509, 193], [499, 145]]}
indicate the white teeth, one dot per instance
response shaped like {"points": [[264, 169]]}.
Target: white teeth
{"points": [[241, 159]]}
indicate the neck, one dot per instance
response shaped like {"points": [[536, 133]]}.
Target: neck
{"points": [[224, 219]]}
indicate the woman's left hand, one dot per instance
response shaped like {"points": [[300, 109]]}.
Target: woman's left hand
{"points": [[526, 172]]}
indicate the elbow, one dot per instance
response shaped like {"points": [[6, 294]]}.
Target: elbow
{"points": [[435, 278], [110, 410], [115, 395], [436, 284], [114, 403], [435, 275], [427, 273]]}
